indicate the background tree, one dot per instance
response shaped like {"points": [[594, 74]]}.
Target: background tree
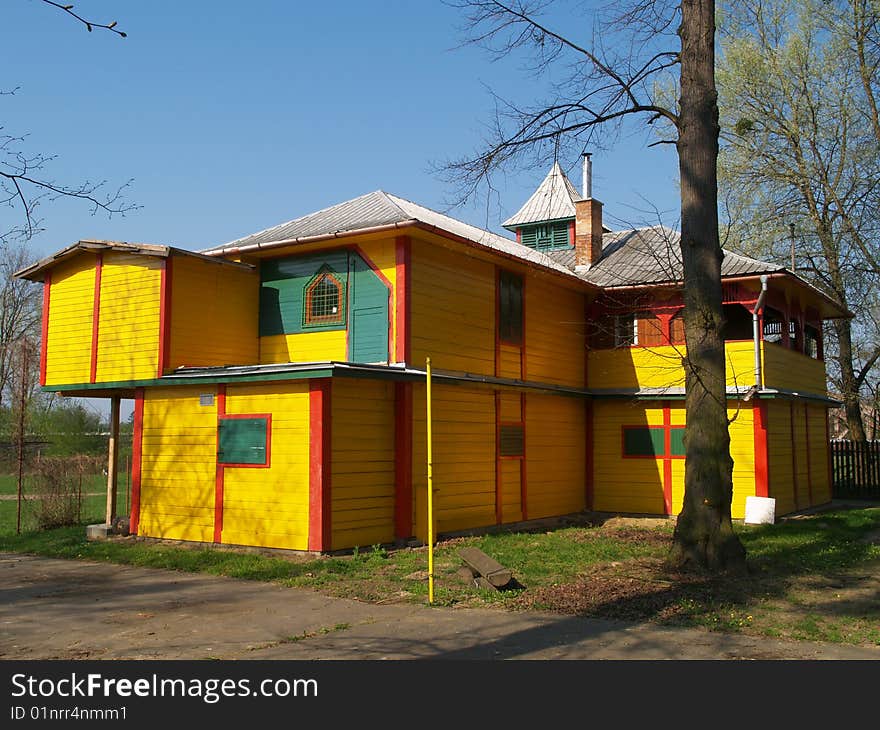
{"points": [[24, 183], [801, 159], [602, 72]]}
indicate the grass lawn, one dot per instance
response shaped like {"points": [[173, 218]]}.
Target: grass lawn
{"points": [[814, 578]]}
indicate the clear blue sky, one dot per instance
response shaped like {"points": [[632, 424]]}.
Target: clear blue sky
{"points": [[234, 116]]}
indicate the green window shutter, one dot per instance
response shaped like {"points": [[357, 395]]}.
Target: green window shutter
{"points": [[677, 441], [643, 441], [510, 304], [243, 441], [560, 235], [529, 236], [512, 440]]}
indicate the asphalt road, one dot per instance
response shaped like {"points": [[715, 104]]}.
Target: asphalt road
{"points": [[60, 609]]}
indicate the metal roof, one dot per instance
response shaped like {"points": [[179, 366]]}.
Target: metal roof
{"points": [[553, 200], [37, 271], [376, 210]]}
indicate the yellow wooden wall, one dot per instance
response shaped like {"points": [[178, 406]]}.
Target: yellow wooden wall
{"points": [[214, 314], [659, 367], [636, 484], [509, 404], [128, 323], [69, 352], [453, 310], [269, 507], [795, 484], [178, 473], [555, 454], [790, 370], [362, 467], [304, 347], [464, 458], [554, 333]]}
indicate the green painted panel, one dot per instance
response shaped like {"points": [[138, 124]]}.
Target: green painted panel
{"points": [[242, 441], [368, 323], [282, 288], [549, 236], [677, 445], [643, 441]]}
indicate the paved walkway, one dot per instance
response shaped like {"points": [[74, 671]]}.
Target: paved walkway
{"points": [[59, 609]]}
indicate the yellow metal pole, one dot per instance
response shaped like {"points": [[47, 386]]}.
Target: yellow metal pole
{"points": [[430, 485]]}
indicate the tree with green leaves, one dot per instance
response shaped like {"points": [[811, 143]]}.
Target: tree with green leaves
{"points": [[607, 67], [800, 159]]}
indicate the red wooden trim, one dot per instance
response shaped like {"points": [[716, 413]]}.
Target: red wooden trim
{"points": [[219, 474], [828, 456], [403, 495], [762, 470], [47, 292], [402, 268], [519, 235], [268, 416], [319, 464], [165, 316], [667, 442], [137, 441], [523, 478], [589, 493], [96, 316], [794, 484], [369, 262], [570, 233], [499, 487], [809, 469], [498, 319], [667, 458]]}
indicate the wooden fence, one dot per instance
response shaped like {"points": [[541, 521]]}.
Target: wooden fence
{"points": [[856, 469]]}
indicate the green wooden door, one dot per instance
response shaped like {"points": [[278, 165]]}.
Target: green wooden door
{"points": [[368, 324]]}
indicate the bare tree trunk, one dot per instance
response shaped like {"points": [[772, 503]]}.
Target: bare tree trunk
{"points": [[704, 536], [848, 381]]}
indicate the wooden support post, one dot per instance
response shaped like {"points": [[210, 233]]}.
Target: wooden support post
{"points": [[112, 458]]}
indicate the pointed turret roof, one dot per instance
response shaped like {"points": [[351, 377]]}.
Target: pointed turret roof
{"points": [[553, 200]]}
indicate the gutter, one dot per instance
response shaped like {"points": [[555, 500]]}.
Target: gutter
{"points": [[756, 332]]}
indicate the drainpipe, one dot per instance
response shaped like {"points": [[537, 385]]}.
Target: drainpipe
{"points": [[759, 380]]}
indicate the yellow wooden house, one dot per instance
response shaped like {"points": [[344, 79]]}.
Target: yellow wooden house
{"points": [[279, 380]]}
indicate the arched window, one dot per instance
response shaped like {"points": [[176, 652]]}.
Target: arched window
{"points": [[324, 300]]}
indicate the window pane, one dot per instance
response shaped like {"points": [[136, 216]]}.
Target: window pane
{"points": [[625, 330], [510, 315], [677, 441]]}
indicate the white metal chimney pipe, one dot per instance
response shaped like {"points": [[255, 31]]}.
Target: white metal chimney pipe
{"points": [[588, 175]]}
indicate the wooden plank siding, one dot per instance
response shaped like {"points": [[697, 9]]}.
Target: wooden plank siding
{"points": [[362, 493], [453, 310], [128, 324], [781, 487], [269, 507], [791, 370], [178, 464], [213, 316], [554, 333], [70, 316], [555, 455], [639, 485]]}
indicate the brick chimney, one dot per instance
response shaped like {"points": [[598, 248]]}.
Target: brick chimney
{"points": [[587, 223]]}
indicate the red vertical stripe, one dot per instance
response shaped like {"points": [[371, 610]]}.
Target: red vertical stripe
{"points": [[523, 473], [762, 465], [588, 455], [47, 289], [137, 442], [794, 485], [96, 316], [499, 494], [165, 316], [667, 458], [218, 485], [809, 468], [319, 464], [402, 299], [403, 425]]}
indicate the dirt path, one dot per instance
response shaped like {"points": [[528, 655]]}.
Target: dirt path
{"points": [[58, 609]]}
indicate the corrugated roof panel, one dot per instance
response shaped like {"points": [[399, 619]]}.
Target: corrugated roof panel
{"points": [[554, 199]]}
